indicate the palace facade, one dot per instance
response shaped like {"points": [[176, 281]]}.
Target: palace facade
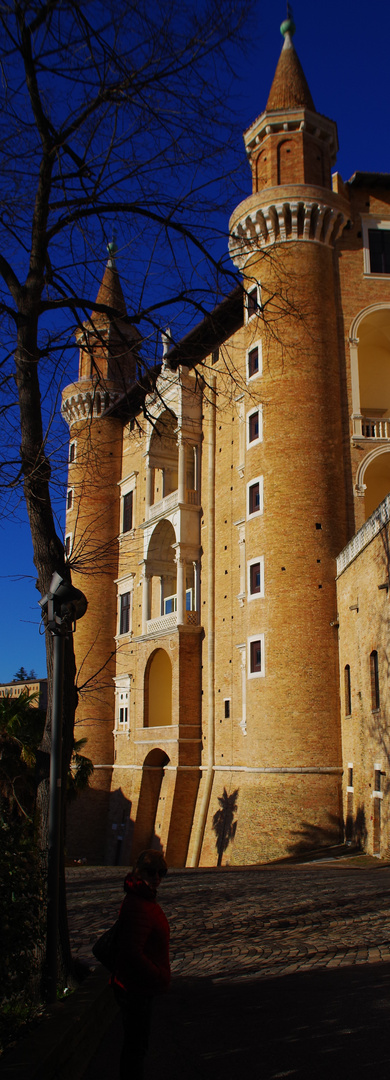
{"points": [[213, 501]]}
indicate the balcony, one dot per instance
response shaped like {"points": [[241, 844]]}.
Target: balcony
{"points": [[164, 623], [371, 428]]}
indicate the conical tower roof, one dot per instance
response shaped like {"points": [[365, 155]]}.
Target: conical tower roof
{"points": [[110, 291], [289, 89]]}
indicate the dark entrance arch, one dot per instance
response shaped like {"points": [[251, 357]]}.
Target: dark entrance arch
{"points": [[152, 777]]}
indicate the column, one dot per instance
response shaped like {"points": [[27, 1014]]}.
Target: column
{"points": [[181, 589], [145, 601], [149, 488], [181, 470]]}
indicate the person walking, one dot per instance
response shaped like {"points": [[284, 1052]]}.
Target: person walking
{"points": [[142, 968]]}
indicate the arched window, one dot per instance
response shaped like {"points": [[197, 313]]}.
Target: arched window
{"points": [[158, 690], [374, 673]]}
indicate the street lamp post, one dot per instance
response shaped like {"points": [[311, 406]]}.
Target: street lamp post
{"points": [[61, 607]]}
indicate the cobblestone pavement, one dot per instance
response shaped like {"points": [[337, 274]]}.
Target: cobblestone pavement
{"points": [[283, 970]]}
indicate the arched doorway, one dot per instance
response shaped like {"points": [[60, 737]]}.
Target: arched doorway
{"points": [[145, 830]]}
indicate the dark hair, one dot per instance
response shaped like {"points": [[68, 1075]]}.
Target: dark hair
{"points": [[151, 861]]}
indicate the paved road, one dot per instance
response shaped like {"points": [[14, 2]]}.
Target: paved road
{"points": [[280, 970]]}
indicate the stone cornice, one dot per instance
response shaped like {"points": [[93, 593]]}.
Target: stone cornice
{"points": [[280, 214]]}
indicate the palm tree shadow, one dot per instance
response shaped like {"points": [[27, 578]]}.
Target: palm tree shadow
{"points": [[223, 824]]}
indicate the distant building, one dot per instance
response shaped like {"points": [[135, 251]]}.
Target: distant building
{"points": [[209, 654], [36, 687]]}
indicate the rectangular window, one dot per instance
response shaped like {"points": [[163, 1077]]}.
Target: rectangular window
{"points": [[377, 778], [69, 499], [379, 247], [253, 362], [374, 673], [215, 356], [227, 708], [123, 714], [127, 522], [253, 432], [124, 613], [68, 545], [347, 690], [255, 496], [254, 578], [350, 776], [256, 656], [72, 452], [170, 604], [252, 302]]}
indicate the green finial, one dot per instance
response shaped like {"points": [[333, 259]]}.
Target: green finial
{"points": [[288, 26], [112, 246]]}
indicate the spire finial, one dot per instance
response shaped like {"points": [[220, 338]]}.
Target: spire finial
{"points": [[112, 247], [287, 28]]}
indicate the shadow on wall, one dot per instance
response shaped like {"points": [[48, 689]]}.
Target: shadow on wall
{"points": [[311, 836], [355, 828], [121, 827], [223, 824]]}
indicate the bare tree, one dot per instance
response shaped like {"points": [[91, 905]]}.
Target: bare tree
{"points": [[111, 112]]}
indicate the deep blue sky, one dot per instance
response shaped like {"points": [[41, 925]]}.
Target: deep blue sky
{"points": [[343, 48]]}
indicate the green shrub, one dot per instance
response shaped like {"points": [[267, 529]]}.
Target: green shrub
{"points": [[22, 927]]}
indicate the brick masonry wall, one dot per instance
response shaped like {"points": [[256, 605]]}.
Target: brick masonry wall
{"points": [[363, 609]]}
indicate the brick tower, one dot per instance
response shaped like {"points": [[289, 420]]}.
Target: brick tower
{"points": [[107, 344], [282, 238]]}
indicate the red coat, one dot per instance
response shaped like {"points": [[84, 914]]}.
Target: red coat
{"points": [[143, 942]]}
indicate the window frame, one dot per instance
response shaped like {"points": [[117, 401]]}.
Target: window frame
{"points": [[72, 452], [122, 703], [257, 411], [251, 641], [371, 224], [255, 287], [128, 485], [124, 613], [125, 510], [258, 561], [259, 371], [251, 484]]}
